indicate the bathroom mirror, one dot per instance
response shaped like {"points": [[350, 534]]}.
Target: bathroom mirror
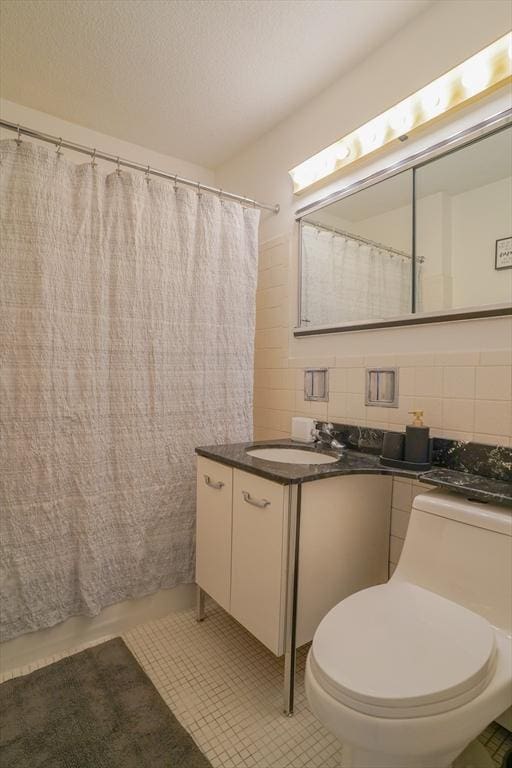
{"points": [[357, 256], [464, 226], [431, 242]]}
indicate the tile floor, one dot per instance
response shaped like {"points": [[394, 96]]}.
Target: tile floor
{"points": [[226, 689], [497, 741]]}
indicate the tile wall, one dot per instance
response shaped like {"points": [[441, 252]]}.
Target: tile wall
{"points": [[404, 492], [465, 395]]}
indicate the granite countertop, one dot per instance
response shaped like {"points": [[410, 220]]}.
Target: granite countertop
{"points": [[352, 462]]}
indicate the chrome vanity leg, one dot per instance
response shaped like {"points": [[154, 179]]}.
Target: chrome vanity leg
{"points": [[200, 614], [292, 580]]}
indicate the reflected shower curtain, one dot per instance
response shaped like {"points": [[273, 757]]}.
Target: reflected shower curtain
{"points": [[344, 279], [126, 340]]}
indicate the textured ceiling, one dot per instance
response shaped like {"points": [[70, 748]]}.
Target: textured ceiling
{"points": [[197, 79]]}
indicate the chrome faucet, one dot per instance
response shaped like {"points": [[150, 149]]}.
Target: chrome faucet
{"points": [[323, 433]]}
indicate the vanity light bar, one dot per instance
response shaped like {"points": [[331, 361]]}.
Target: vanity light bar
{"points": [[486, 70]]}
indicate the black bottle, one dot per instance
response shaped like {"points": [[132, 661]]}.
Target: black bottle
{"points": [[417, 441]]}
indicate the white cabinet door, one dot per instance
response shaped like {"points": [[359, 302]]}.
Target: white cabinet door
{"points": [[259, 557], [213, 531]]}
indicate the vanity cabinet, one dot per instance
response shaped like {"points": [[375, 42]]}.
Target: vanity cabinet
{"points": [[258, 557], [243, 540], [213, 530]]}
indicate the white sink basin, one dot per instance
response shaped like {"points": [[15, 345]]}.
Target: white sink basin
{"points": [[291, 456]]}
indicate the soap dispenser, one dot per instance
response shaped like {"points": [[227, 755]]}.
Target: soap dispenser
{"points": [[417, 442]]}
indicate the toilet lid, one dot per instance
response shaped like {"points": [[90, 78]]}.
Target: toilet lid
{"points": [[398, 650]]}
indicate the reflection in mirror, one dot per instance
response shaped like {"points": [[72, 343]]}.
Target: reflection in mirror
{"points": [[464, 226], [356, 256]]}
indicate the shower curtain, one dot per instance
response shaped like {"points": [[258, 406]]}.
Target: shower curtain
{"points": [[127, 332], [344, 279]]}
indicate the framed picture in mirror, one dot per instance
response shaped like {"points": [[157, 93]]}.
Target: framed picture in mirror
{"points": [[503, 253]]}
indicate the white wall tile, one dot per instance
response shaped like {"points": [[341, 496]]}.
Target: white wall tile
{"points": [[395, 548], [493, 417], [338, 380], [494, 382], [491, 439], [459, 381], [337, 406], [401, 415], [312, 362], [402, 495], [406, 381], [349, 362], [496, 357], [457, 358], [355, 380], [459, 415], [380, 361], [428, 381], [399, 522], [355, 406], [419, 358]]}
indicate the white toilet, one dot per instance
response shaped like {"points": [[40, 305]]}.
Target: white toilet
{"points": [[406, 674]]}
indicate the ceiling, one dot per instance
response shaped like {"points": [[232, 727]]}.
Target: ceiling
{"points": [[196, 79]]}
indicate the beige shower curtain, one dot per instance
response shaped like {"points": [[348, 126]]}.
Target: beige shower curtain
{"points": [[127, 324]]}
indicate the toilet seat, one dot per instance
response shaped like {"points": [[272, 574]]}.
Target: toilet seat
{"points": [[399, 650]]}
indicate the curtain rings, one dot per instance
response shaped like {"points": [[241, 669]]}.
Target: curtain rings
{"points": [[147, 174], [221, 198], [199, 189], [93, 159], [118, 169], [18, 135], [176, 183], [59, 147]]}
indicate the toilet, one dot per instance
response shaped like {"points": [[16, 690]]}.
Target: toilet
{"points": [[406, 674]]}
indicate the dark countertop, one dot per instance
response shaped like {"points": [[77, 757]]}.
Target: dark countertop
{"points": [[351, 462], [472, 486]]}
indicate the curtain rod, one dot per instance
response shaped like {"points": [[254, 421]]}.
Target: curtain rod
{"points": [[360, 239], [94, 153]]}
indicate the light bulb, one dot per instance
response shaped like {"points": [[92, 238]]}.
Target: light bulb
{"points": [[304, 175], [342, 151], [401, 119], [371, 135], [434, 99], [476, 74]]}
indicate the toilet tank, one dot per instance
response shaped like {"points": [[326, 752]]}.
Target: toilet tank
{"points": [[461, 549]]}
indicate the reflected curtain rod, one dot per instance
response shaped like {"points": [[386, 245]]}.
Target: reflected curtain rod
{"points": [[359, 239], [95, 154]]}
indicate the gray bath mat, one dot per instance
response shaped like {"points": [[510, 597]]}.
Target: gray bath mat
{"points": [[96, 709]]}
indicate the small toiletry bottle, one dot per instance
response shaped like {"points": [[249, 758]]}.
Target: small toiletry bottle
{"points": [[417, 444]]}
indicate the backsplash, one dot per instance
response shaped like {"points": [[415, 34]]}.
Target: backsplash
{"points": [[465, 396], [493, 461]]}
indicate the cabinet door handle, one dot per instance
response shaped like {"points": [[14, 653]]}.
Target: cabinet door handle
{"points": [[212, 483], [261, 503]]}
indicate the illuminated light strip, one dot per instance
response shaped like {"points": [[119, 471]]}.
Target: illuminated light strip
{"points": [[481, 73]]}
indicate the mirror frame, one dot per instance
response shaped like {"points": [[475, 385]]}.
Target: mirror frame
{"points": [[466, 137]]}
